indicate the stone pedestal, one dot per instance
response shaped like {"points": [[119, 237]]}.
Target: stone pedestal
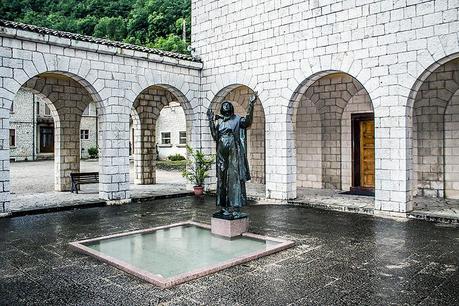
{"points": [[229, 228]]}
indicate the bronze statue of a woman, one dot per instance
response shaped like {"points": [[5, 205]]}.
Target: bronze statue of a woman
{"points": [[229, 131]]}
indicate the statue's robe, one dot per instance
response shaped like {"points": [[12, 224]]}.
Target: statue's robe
{"points": [[232, 165]]}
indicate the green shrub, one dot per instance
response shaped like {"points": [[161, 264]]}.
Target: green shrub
{"points": [[176, 157], [168, 165], [93, 152], [198, 165]]}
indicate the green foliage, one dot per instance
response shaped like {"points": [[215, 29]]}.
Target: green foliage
{"points": [[176, 157], [112, 28], [198, 166], [93, 152], [171, 43], [168, 165], [153, 23]]}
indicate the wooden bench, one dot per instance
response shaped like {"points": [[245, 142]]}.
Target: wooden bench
{"points": [[82, 178]]}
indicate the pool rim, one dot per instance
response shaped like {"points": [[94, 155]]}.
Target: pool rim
{"points": [[168, 282]]}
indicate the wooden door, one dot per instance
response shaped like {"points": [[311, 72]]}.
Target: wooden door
{"points": [[367, 153]]}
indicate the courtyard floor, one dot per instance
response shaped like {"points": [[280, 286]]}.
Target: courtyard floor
{"points": [[32, 186], [338, 258]]}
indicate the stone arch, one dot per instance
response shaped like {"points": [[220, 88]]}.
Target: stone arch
{"points": [[67, 100], [146, 109], [32, 77], [239, 94], [434, 124], [320, 118]]}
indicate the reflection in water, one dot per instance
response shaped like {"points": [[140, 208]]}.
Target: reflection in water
{"points": [[172, 251]]}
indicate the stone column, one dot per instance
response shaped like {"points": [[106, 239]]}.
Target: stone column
{"points": [[145, 144], [392, 157], [114, 152], [67, 147], [280, 162], [5, 197]]}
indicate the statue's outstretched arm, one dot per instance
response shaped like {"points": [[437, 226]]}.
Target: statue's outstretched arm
{"points": [[247, 120], [213, 129]]}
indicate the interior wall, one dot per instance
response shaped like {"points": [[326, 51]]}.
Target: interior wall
{"points": [[431, 113], [323, 134]]}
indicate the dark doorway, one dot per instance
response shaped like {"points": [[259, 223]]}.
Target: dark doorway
{"points": [[46, 139], [363, 152]]}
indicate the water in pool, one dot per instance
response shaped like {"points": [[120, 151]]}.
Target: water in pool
{"points": [[176, 250]]}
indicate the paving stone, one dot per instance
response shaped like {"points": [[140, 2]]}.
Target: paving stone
{"points": [[360, 259]]}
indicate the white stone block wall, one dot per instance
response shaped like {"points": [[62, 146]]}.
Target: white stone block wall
{"points": [[279, 48], [308, 145], [452, 148], [434, 135]]}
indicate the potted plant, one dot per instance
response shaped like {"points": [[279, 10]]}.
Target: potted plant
{"points": [[197, 168]]}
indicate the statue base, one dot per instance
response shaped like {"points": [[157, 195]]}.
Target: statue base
{"points": [[229, 226]]}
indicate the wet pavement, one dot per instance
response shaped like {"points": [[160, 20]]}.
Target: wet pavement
{"points": [[339, 258]]}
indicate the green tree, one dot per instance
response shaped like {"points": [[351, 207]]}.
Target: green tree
{"points": [[144, 22], [172, 43], [86, 25], [111, 28]]}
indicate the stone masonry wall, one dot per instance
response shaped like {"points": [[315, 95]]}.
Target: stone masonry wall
{"points": [[22, 123], [280, 48], [435, 117]]}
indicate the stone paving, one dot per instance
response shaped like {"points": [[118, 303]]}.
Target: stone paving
{"points": [[320, 198], [338, 259], [33, 183], [32, 186], [436, 209]]}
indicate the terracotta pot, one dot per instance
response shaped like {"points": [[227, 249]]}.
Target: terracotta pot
{"points": [[198, 190]]}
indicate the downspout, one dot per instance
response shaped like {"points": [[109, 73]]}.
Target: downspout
{"points": [[34, 126], [202, 107]]}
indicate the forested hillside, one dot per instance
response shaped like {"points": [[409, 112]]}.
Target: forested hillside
{"points": [[151, 23]]}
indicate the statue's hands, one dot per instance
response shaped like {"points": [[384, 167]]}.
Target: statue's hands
{"points": [[253, 97], [210, 114]]}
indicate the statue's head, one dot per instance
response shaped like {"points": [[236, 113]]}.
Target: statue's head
{"points": [[227, 109]]}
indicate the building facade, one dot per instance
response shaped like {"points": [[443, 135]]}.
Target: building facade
{"points": [[353, 95], [356, 95], [32, 128]]}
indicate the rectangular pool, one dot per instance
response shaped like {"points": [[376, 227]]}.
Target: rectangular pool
{"points": [[173, 254]]}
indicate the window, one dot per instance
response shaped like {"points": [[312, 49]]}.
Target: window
{"points": [[86, 111], [182, 137], [12, 137], [84, 134], [165, 138], [12, 107], [47, 111]]}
